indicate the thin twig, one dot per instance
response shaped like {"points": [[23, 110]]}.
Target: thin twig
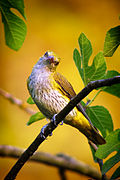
{"points": [[91, 101], [61, 161], [100, 161], [16, 101], [62, 173], [59, 117]]}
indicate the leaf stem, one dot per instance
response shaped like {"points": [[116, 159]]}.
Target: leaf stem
{"points": [[94, 98]]}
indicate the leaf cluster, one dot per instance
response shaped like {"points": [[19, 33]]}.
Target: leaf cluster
{"points": [[99, 115]]}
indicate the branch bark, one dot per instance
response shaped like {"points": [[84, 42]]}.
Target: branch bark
{"points": [[16, 101], [61, 161], [59, 117]]}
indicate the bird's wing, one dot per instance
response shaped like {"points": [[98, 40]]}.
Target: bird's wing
{"points": [[66, 87], [68, 90]]}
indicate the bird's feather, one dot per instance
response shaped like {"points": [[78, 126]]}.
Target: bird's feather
{"points": [[66, 87], [68, 90]]}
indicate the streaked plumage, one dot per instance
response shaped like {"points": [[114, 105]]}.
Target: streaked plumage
{"points": [[51, 92]]}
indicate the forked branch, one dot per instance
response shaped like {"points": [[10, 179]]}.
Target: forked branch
{"points": [[61, 161]]}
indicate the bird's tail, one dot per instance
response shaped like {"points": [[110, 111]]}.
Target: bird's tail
{"points": [[84, 126], [92, 134]]}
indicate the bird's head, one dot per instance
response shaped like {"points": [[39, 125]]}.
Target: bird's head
{"points": [[48, 60]]}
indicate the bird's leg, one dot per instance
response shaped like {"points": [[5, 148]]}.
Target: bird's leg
{"points": [[53, 120], [42, 133]]}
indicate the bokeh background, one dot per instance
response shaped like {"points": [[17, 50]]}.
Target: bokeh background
{"points": [[53, 25]]}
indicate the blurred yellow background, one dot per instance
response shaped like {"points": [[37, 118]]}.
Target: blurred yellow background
{"points": [[54, 25]]}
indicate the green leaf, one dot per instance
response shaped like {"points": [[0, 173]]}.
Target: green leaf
{"points": [[19, 5], [111, 162], [86, 51], [113, 144], [114, 89], [77, 60], [35, 117], [98, 68], [82, 103], [15, 28], [116, 174], [101, 119], [30, 100], [85, 48], [112, 41]]}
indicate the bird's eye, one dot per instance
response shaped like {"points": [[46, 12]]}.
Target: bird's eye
{"points": [[46, 54]]}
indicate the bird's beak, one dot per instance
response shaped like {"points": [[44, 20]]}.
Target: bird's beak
{"points": [[53, 60]]}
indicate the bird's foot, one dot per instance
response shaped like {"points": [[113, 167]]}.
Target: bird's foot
{"points": [[53, 120], [42, 133]]}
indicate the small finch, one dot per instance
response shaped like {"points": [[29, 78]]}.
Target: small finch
{"points": [[51, 92]]}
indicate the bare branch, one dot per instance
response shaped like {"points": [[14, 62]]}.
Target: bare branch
{"points": [[16, 101], [62, 161], [59, 117]]}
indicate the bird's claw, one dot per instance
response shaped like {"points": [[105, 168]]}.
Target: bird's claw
{"points": [[51, 134], [61, 123], [53, 120], [42, 133]]}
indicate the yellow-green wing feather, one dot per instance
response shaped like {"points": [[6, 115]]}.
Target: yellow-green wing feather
{"points": [[66, 87], [68, 90]]}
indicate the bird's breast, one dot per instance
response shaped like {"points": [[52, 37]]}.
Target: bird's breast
{"points": [[49, 99]]}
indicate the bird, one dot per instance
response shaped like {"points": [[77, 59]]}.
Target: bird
{"points": [[51, 92]]}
